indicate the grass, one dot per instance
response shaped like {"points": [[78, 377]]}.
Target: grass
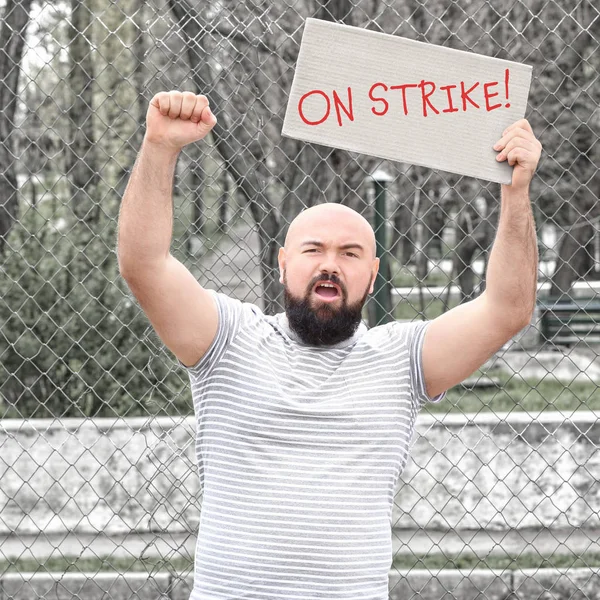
{"points": [[500, 562], [401, 562], [410, 309], [513, 393], [74, 564], [404, 277]]}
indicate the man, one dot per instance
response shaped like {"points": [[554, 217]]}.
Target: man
{"points": [[303, 419]]}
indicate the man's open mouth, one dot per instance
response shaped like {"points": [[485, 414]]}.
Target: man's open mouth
{"points": [[327, 290]]}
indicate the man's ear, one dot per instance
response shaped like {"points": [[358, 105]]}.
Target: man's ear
{"points": [[281, 261], [374, 271]]}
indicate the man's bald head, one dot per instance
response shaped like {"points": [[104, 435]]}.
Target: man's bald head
{"points": [[332, 215]]}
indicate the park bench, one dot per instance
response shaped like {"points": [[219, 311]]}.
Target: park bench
{"points": [[567, 322]]}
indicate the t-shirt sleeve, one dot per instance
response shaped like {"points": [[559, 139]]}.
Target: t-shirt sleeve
{"points": [[416, 364], [413, 335], [232, 316]]}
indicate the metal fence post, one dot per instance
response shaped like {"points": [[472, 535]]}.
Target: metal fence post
{"points": [[382, 288]]}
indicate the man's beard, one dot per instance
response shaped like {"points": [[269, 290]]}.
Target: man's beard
{"points": [[325, 325]]}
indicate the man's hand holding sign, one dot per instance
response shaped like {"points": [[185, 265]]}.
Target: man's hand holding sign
{"points": [[519, 146], [454, 111]]}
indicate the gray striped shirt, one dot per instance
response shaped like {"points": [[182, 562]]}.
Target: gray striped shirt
{"points": [[299, 450]]}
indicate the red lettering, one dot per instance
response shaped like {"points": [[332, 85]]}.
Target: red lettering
{"points": [[301, 113], [403, 88], [425, 97], [374, 99], [338, 103], [487, 95], [451, 107], [464, 95]]}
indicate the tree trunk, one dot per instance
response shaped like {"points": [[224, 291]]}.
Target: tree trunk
{"points": [[223, 202], [471, 240], [235, 144], [403, 245], [12, 40], [81, 163], [197, 189], [32, 180], [335, 10], [575, 257], [139, 47], [198, 186]]}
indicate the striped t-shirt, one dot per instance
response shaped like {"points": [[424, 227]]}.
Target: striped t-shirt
{"points": [[299, 450]]}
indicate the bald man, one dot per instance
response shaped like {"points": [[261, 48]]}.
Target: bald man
{"points": [[304, 418]]}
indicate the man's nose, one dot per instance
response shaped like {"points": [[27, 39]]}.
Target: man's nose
{"points": [[329, 265]]}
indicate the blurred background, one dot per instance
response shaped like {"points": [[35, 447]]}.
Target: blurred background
{"points": [[98, 487]]}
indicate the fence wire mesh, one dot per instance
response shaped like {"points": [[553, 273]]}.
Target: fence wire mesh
{"points": [[99, 495]]}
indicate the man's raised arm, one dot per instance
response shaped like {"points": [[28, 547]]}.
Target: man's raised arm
{"points": [[458, 342], [182, 313]]}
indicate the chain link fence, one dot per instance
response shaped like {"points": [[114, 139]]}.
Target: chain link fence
{"points": [[99, 495]]}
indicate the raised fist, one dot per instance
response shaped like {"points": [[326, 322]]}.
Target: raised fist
{"points": [[175, 119]]}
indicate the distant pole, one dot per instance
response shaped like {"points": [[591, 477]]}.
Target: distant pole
{"points": [[382, 288]]}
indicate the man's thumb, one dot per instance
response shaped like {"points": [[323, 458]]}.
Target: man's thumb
{"points": [[208, 120]]}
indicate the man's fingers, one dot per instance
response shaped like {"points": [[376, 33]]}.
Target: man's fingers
{"points": [[201, 104], [180, 105], [162, 102], [171, 128], [512, 132], [176, 99], [187, 105], [516, 131], [516, 142], [517, 155], [522, 123]]}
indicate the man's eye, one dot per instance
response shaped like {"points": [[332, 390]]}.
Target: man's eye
{"points": [[310, 250], [352, 254]]}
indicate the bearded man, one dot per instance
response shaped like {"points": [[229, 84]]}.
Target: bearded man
{"points": [[304, 418]]}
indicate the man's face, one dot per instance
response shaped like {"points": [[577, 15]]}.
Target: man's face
{"points": [[325, 323], [328, 268]]}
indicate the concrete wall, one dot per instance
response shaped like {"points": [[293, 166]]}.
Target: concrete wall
{"points": [[502, 471], [495, 472], [107, 475]]}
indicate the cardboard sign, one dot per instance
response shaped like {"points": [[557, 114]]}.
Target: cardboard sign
{"points": [[404, 100]]}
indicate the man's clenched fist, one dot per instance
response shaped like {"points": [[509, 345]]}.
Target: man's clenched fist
{"points": [[175, 119]]}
